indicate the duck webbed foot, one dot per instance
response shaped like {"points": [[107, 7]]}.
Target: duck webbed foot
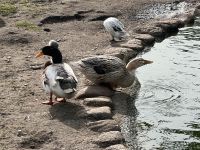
{"points": [[60, 100], [50, 101]]}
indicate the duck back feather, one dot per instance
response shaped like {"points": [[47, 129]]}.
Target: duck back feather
{"points": [[60, 79]]}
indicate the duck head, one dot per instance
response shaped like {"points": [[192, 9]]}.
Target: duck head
{"points": [[50, 51], [53, 43], [136, 63]]}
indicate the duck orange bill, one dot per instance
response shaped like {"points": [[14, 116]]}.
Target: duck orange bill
{"points": [[39, 54]]}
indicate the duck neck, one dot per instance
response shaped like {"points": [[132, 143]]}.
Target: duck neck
{"points": [[57, 57], [131, 67]]}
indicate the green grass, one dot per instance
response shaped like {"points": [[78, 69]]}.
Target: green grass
{"points": [[7, 9], [27, 25]]}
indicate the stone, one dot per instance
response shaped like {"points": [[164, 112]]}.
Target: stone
{"points": [[104, 125], [107, 139], [146, 39], [98, 113], [174, 23], [197, 10], [169, 26], [188, 18], [156, 32], [98, 101], [117, 147], [134, 44], [94, 91], [47, 29]]}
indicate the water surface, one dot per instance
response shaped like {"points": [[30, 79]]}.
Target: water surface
{"points": [[168, 104]]}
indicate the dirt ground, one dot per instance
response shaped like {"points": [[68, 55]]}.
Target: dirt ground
{"points": [[24, 122]]}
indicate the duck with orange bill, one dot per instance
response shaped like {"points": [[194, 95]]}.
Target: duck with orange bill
{"points": [[58, 78]]}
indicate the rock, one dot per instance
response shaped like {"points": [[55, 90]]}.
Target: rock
{"points": [[146, 39], [94, 91], [168, 26], [134, 44], [99, 113], [156, 32], [98, 101], [188, 18], [117, 147], [47, 29], [197, 10], [104, 125], [107, 139], [123, 53]]}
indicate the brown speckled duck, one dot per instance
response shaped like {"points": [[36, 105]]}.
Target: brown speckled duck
{"points": [[110, 70]]}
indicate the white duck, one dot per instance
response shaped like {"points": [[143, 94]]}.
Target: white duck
{"points": [[115, 28], [58, 78]]}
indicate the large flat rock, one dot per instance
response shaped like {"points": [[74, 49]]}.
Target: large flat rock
{"points": [[107, 139], [104, 125], [156, 32], [97, 113], [98, 101]]}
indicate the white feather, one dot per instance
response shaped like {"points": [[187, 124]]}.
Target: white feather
{"points": [[111, 22]]}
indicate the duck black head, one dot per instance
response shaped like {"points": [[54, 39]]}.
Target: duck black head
{"points": [[51, 51]]}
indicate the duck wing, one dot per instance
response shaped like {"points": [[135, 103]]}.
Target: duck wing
{"points": [[66, 78], [102, 64], [116, 28], [59, 75]]}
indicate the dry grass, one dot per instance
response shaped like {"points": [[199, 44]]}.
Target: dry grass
{"points": [[7, 9], [27, 25]]}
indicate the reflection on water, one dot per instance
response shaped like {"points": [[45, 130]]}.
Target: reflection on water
{"points": [[168, 105]]}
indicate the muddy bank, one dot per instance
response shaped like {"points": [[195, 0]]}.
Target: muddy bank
{"points": [[81, 123]]}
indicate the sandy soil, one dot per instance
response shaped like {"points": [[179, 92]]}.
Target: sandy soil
{"points": [[24, 122]]}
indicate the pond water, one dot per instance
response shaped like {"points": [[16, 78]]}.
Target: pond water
{"points": [[168, 104]]}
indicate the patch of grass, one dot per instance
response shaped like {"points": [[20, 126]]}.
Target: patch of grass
{"points": [[7, 9], [27, 25], [33, 9]]}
